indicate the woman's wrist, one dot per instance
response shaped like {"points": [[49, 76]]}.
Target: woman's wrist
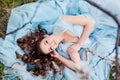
{"points": [[78, 44]]}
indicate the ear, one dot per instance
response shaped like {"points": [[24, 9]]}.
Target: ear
{"points": [[46, 35]]}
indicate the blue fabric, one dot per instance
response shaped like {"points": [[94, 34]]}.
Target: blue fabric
{"points": [[47, 13]]}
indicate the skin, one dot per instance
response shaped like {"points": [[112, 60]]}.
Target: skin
{"points": [[50, 42]]}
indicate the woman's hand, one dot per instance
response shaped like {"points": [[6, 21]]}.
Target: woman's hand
{"points": [[54, 54], [88, 25], [74, 48]]}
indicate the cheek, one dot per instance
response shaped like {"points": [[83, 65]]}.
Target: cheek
{"points": [[57, 45]]}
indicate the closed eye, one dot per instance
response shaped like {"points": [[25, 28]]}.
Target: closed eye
{"points": [[51, 49], [46, 41]]}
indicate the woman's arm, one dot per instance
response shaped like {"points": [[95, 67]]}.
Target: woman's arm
{"points": [[87, 23], [73, 63]]}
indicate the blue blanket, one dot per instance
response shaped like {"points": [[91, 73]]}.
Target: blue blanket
{"points": [[46, 13]]}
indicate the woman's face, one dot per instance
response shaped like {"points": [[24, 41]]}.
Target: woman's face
{"points": [[49, 43]]}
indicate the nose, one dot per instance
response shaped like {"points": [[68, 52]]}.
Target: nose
{"points": [[52, 43]]}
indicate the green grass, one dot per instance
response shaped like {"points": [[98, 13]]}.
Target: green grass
{"points": [[5, 8], [1, 70]]}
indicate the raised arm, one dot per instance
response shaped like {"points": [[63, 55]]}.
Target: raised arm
{"points": [[87, 23]]}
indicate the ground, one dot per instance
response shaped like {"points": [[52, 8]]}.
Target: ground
{"points": [[5, 9]]}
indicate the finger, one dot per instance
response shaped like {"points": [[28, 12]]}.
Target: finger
{"points": [[55, 52], [45, 35], [70, 47], [52, 54], [70, 50]]}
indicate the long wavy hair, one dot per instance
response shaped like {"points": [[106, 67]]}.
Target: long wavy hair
{"points": [[42, 63]]}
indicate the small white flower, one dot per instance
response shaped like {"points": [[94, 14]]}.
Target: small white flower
{"points": [[114, 75], [82, 71], [84, 66]]}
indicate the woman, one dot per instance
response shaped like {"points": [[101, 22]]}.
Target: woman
{"points": [[41, 47], [37, 62], [51, 42]]}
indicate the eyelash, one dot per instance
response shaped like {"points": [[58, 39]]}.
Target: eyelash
{"points": [[50, 47], [46, 41]]}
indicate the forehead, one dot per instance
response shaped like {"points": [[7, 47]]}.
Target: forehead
{"points": [[44, 47]]}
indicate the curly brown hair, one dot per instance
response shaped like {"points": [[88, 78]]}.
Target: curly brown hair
{"points": [[33, 55]]}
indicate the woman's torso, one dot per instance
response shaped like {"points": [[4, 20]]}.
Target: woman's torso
{"points": [[62, 26]]}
